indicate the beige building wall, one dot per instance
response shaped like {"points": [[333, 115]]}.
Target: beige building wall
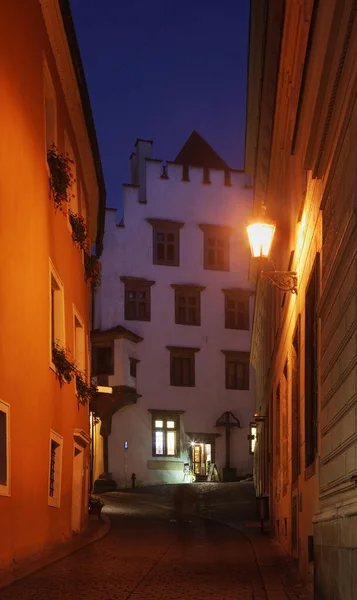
{"points": [[303, 158]]}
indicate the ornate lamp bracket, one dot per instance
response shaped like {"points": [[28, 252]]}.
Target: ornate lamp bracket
{"points": [[283, 280]]}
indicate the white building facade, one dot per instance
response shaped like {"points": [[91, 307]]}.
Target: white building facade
{"points": [[173, 320]]}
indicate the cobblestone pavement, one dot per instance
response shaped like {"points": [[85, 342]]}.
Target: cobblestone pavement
{"points": [[148, 556]]}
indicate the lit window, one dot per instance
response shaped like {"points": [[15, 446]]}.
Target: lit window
{"points": [[165, 434], [171, 443], [252, 437]]}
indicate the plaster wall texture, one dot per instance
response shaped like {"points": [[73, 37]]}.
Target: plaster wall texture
{"points": [[128, 251], [32, 234]]}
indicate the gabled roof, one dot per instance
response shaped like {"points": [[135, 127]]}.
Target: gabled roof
{"points": [[196, 152]]}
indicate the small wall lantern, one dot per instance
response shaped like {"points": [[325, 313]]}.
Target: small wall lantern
{"points": [[260, 235]]}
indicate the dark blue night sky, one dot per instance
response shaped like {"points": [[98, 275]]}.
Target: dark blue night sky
{"points": [[160, 69]]}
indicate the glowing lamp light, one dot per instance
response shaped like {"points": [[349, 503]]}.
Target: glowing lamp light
{"points": [[260, 238]]}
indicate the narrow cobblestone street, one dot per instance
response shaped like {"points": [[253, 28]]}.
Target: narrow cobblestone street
{"points": [[148, 556]]}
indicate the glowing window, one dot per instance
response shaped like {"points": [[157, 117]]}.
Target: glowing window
{"points": [[165, 435], [252, 437], [159, 442], [171, 443]]}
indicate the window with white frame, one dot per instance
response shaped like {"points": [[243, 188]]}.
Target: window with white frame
{"points": [[50, 109], [73, 199], [252, 437], [4, 449], [55, 470], [166, 430], [79, 342], [57, 324]]}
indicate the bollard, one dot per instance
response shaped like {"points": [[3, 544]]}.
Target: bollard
{"points": [[133, 477]]}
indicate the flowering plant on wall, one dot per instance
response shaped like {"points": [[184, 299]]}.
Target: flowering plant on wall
{"points": [[93, 270], [79, 231], [64, 367], [61, 177], [66, 370], [86, 393]]}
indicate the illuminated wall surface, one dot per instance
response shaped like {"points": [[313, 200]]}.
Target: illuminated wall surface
{"points": [[129, 252], [40, 503], [304, 346]]}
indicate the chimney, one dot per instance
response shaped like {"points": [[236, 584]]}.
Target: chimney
{"points": [[143, 151]]}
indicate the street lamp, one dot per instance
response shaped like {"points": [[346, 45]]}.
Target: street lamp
{"points": [[260, 235]]}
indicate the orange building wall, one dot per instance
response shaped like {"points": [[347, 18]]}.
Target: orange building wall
{"points": [[30, 234]]}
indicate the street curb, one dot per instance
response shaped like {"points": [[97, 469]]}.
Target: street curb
{"points": [[70, 546]]}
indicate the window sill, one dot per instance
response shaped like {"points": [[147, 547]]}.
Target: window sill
{"points": [[166, 264], [136, 319], [5, 491], [191, 385], [213, 268]]}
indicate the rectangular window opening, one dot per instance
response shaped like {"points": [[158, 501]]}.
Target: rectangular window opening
{"points": [[79, 344], [137, 302], [252, 437], [187, 307], [57, 325], [237, 371], [4, 449], [55, 470], [50, 109], [165, 435]]}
